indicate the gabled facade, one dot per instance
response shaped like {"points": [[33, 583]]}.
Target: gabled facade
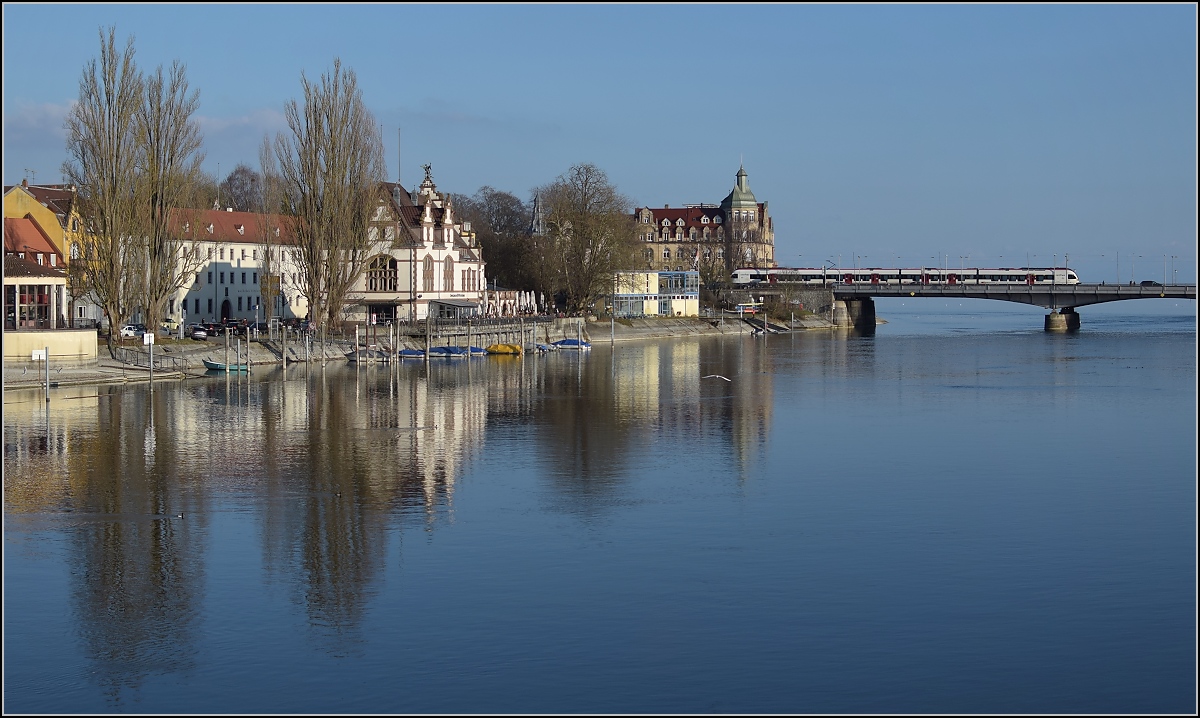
{"points": [[711, 238], [424, 259], [22, 203]]}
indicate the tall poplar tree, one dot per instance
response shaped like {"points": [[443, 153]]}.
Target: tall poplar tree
{"points": [[102, 158], [331, 165]]}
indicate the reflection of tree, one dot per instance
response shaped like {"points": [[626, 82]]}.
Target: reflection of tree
{"points": [[137, 577], [350, 466]]}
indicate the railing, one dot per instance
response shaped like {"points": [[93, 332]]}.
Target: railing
{"points": [[139, 358]]}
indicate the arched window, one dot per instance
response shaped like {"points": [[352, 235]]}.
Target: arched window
{"points": [[427, 274], [382, 275], [448, 275], [666, 252], [692, 234]]}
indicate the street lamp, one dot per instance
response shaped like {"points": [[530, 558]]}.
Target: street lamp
{"points": [[1174, 280]]}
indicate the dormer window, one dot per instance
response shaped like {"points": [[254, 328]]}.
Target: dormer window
{"points": [[241, 228], [704, 220], [679, 222], [717, 219], [666, 223], [276, 231], [187, 227], [209, 228]]}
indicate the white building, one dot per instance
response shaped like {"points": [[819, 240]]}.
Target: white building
{"points": [[422, 260]]}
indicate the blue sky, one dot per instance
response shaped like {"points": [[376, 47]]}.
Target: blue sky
{"points": [[879, 134]]}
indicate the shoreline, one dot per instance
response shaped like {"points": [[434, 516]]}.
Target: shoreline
{"points": [[106, 370]]}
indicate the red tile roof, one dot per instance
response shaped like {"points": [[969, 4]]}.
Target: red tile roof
{"points": [[229, 226], [23, 235], [15, 267]]}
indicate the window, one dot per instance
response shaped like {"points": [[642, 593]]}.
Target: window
{"points": [[239, 304], [210, 277], [704, 220], [254, 279], [75, 225], [209, 307], [254, 254], [666, 223], [243, 254], [448, 275], [197, 309], [381, 275], [427, 274], [243, 276], [53, 260], [222, 277], [241, 229], [666, 252]]}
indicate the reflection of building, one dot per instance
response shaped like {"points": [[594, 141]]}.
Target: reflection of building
{"points": [[656, 294], [714, 239]]}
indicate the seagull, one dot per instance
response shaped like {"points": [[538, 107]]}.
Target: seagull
{"points": [[178, 516], [717, 376]]}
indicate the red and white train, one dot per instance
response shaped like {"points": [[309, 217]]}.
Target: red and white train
{"points": [[819, 276]]}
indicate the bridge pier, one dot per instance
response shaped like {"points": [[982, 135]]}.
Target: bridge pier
{"points": [[855, 313], [1064, 320]]}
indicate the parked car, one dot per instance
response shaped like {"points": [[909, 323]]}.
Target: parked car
{"points": [[196, 331], [170, 324], [133, 330]]}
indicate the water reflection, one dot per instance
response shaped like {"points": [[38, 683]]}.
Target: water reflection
{"points": [[333, 461]]}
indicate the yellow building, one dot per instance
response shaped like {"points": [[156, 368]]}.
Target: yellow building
{"points": [[22, 202], [656, 294]]}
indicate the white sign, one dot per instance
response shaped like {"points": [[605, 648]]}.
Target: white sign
{"points": [[148, 338], [39, 355]]}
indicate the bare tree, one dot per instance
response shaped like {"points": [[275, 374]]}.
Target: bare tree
{"points": [[269, 201], [168, 142], [331, 166], [591, 235], [102, 156], [242, 188], [501, 222]]}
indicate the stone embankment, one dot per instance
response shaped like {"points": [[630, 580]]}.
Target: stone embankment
{"points": [[187, 356]]}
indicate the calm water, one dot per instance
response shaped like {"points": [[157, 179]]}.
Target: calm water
{"points": [[960, 514]]}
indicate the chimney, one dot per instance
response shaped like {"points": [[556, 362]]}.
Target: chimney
{"points": [[25, 183]]}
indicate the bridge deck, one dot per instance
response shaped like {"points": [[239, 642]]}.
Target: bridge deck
{"points": [[1050, 296]]}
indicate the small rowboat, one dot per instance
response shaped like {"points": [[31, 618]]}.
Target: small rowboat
{"points": [[218, 366]]}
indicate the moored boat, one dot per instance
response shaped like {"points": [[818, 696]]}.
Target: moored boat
{"points": [[503, 349], [218, 366], [573, 344]]}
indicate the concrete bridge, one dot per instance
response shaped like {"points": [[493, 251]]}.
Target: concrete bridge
{"points": [[853, 305]]}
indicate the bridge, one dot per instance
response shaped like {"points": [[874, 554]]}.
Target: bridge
{"points": [[851, 304]]}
